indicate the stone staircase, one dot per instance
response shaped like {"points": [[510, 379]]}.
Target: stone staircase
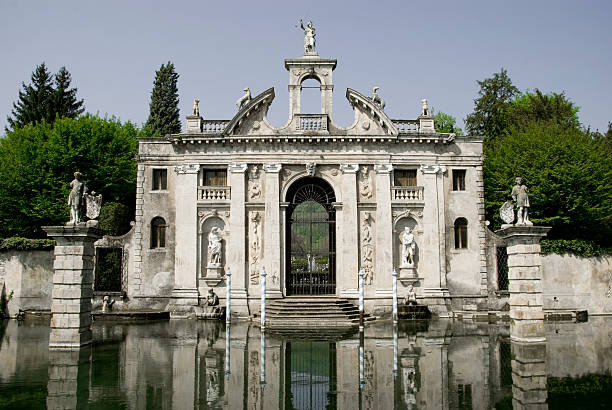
{"points": [[312, 312]]}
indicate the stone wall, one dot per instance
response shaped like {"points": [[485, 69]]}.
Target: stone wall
{"points": [[29, 275], [572, 282]]}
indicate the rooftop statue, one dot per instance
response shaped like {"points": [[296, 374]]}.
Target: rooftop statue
{"points": [[244, 100], [520, 196], [376, 99], [425, 109], [196, 108], [309, 37]]}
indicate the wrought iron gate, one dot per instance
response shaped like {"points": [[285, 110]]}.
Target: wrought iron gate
{"points": [[311, 238]]}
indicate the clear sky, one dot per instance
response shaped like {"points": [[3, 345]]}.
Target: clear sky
{"points": [[410, 49]]}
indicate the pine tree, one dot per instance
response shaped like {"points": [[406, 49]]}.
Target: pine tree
{"points": [[34, 103], [163, 110], [41, 101], [65, 102]]}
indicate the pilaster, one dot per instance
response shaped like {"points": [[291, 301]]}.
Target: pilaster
{"points": [[348, 237], [384, 227], [236, 249], [272, 231], [186, 233]]}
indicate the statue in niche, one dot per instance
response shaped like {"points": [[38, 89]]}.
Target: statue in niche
{"points": [[410, 298], [255, 247], [367, 248], [425, 109], [215, 245], [366, 188], [255, 191], [376, 99], [244, 100], [408, 248], [311, 168], [196, 108], [309, 37], [520, 196]]}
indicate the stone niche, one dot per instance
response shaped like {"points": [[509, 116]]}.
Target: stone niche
{"points": [[406, 274], [212, 272]]}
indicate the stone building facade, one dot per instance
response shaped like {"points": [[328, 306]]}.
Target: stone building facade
{"points": [[312, 203]]}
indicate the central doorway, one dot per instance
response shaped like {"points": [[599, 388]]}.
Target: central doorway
{"points": [[311, 238]]}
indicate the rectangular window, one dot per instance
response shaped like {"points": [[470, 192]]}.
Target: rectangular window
{"points": [[214, 177], [458, 179], [405, 177], [502, 268], [160, 178]]}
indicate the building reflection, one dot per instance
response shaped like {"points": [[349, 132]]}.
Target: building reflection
{"points": [[203, 364]]}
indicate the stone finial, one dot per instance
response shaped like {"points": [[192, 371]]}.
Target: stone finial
{"points": [[196, 108], [244, 100], [376, 99], [309, 37]]}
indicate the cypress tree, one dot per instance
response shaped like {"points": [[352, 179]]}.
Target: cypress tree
{"points": [[163, 109]]}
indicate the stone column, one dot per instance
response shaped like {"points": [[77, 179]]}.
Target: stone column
{"points": [[72, 285], [525, 281], [432, 266], [347, 244], [68, 384], [529, 376], [384, 230], [186, 235], [271, 229], [236, 247]]}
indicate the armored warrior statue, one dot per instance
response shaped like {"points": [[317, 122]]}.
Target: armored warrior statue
{"points": [[520, 196]]}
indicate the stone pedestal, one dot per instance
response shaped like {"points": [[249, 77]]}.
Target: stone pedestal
{"points": [[529, 376], [214, 275], [72, 285], [407, 273], [525, 282]]}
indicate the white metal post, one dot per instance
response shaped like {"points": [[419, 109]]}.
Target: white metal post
{"points": [[394, 274], [361, 300], [228, 296], [263, 299]]}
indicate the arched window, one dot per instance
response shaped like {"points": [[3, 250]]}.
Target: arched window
{"points": [[461, 239], [158, 232]]}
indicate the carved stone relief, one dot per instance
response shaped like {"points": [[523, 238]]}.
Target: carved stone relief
{"points": [[365, 183], [254, 183], [255, 247], [367, 248], [311, 168]]}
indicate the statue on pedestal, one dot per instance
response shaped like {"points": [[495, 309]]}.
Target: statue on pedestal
{"points": [[215, 246], [408, 248], [309, 37], [520, 196], [76, 199], [196, 108]]}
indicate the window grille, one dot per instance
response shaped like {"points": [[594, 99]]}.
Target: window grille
{"points": [[502, 268]]}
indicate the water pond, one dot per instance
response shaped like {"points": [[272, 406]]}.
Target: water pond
{"points": [[184, 364]]}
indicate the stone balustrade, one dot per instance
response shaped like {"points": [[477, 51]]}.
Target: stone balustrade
{"points": [[214, 126], [407, 193], [406, 126], [213, 193], [311, 122]]}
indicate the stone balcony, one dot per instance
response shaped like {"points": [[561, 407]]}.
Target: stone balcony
{"points": [[214, 193], [311, 122], [407, 193]]}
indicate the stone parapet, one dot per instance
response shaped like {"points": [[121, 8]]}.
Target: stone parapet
{"points": [[72, 285]]}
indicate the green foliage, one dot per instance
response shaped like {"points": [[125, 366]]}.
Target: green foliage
{"points": [[531, 107], [4, 300], [446, 123], [163, 109], [37, 163], [590, 391], [577, 247], [108, 270], [41, 101], [114, 218], [569, 175], [490, 116], [25, 244]]}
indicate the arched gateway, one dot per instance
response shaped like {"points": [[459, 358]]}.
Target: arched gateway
{"points": [[311, 238]]}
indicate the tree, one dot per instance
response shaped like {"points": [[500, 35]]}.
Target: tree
{"points": [[529, 107], [446, 123], [65, 103], [41, 101], [163, 109], [37, 163], [569, 175], [490, 108]]}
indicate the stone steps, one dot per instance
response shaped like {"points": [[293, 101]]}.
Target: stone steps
{"points": [[312, 312]]}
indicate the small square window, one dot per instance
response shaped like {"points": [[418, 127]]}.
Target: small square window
{"points": [[214, 177], [160, 180], [405, 177], [458, 179]]}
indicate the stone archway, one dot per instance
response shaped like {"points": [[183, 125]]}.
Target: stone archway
{"points": [[310, 238]]}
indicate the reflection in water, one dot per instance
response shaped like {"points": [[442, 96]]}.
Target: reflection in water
{"points": [[201, 364]]}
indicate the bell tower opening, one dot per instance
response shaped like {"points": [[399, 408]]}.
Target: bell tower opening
{"points": [[311, 101]]}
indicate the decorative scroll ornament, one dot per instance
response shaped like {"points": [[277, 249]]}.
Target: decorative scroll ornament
{"points": [[367, 248], [255, 246], [187, 169]]}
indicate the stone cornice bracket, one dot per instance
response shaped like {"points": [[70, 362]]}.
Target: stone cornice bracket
{"points": [[432, 169], [187, 169], [237, 168], [349, 168], [272, 167], [383, 168]]}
